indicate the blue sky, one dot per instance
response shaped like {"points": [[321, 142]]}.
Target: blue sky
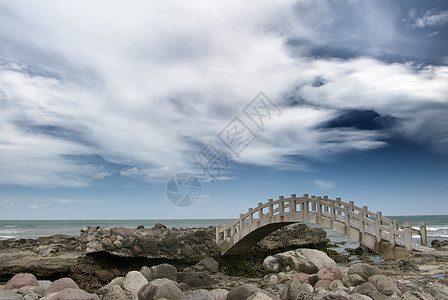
{"points": [[101, 104]]}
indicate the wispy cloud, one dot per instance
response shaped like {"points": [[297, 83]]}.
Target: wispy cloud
{"points": [[430, 18], [324, 184], [103, 175]]}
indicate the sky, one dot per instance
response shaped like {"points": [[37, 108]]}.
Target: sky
{"points": [[193, 109]]}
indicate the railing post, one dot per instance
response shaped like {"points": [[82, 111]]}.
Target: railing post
{"points": [[362, 215], [347, 220], [218, 227], [271, 207], [351, 209], [407, 235], [338, 203], [378, 223], [392, 229], [241, 221], [326, 207], [332, 212], [293, 203], [423, 236], [313, 204], [305, 203], [319, 211], [281, 205], [260, 210], [251, 216]]}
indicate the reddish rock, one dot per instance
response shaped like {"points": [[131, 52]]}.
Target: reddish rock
{"points": [[70, 294], [61, 284], [21, 280], [331, 273], [325, 283]]}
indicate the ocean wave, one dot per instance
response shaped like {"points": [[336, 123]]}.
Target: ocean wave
{"points": [[10, 226], [5, 237]]}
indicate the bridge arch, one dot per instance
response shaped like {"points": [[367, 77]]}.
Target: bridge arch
{"points": [[372, 230]]}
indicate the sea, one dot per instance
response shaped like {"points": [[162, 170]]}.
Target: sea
{"points": [[437, 227]]}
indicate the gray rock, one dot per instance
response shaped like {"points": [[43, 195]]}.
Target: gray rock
{"points": [[417, 295], [331, 273], [196, 279], [160, 288], [21, 280], [438, 291], [164, 271], [259, 296], [44, 283], [207, 264], [60, 284], [291, 289], [133, 282], [10, 295], [385, 285], [73, 294], [32, 296], [363, 270], [336, 285], [219, 294], [359, 297], [199, 295], [303, 260], [336, 295], [369, 289], [32, 289], [146, 272], [114, 292], [353, 280], [244, 291]]}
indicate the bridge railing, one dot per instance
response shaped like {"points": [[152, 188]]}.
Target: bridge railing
{"points": [[336, 211]]}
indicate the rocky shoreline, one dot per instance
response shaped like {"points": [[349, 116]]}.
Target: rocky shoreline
{"points": [[184, 263]]}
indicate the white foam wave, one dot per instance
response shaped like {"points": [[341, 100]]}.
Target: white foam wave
{"points": [[5, 237]]}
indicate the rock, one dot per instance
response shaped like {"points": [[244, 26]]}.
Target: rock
{"points": [[417, 295], [303, 260], [32, 289], [336, 295], [185, 288], [207, 264], [292, 289], [146, 272], [323, 283], [359, 297], [164, 271], [72, 294], [10, 295], [438, 291], [133, 282], [199, 295], [385, 285], [104, 275], [331, 273], [259, 296], [244, 291], [32, 296], [336, 285], [44, 283], [21, 280], [364, 270], [60, 284], [114, 292], [160, 288], [369, 289], [118, 244], [353, 280], [196, 279], [219, 294]]}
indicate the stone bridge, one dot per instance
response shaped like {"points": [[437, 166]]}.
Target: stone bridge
{"points": [[385, 237]]}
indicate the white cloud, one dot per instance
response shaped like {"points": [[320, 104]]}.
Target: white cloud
{"points": [[324, 184], [431, 18], [66, 201], [145, 85], [33, 206]]}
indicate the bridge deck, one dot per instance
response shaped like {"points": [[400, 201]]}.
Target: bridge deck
{"points": [[370, 229]]}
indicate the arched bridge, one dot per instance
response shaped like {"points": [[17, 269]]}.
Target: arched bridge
{"points": [[369, 229]]}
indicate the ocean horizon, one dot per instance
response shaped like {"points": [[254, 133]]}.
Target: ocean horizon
{"points": [[437, 226]]}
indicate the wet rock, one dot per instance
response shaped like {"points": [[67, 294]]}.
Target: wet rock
{"points": [[21, 280], [164, 271], [160, 288], [60, 284], [364, 270]]}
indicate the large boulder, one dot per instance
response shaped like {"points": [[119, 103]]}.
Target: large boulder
{"points": [[21, 280], [385, 285], [133, 282], [160, 288], [164, 271], [259, 296], [207, 264], [302, 260], [331, 273], [196, 279], [114, 292], [369, 289], [60, 284], [353, 280], [10, 295], [364, 270], [219, 294], [438, 291], [244, 291]]}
